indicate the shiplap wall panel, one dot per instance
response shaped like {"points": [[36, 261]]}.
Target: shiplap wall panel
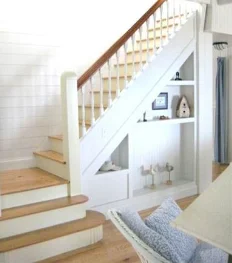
{"points": [[160, 144], [29, 96], [19, 70], [219, 18]]}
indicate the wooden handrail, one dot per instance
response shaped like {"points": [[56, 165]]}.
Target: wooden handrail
{"points": [[119, 43]]}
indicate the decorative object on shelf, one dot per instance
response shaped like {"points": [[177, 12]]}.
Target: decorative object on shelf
{"points": [[169, 168], [149, 172], [161, 102], [183, 110], [162, 117], [178, 76], [109, 166], [144, 116]]}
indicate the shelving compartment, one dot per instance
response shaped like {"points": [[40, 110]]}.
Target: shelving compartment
{"points": [[110, 186], [174, 144]]}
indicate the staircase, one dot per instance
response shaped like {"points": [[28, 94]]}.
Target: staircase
{"points": [[42, 207], [39, 220]]}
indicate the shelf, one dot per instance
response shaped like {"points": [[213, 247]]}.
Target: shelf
{"points": [[171, 121], [162, 187], [123, 170], [181, 83]]}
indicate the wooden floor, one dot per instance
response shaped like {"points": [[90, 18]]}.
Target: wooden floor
{"points": [[114, 248], [16, 181]]}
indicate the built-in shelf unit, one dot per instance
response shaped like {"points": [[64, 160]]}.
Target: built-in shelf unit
{"points": [[154, 142]]}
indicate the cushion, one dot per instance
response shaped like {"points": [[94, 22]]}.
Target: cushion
{"points": [[150, 237], [206, 253], [159, 221]]}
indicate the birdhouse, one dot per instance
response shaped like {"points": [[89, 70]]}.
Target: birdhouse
{"points": [[183, 110]]}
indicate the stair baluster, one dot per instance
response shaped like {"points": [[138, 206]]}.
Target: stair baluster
{"points": [[180, 20], [167, 5], [101, 92], [92, 101], [185, 12], [118, 81], [83, 110], [161, 26], [174, 16], [125, 66], [154, 33], [148, 50], [133, 55], [140, 48], [109, 83]]}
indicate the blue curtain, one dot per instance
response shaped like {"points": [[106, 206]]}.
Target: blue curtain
{"points": [[221, 120]]}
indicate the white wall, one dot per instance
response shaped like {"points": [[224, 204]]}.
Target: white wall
{"points": [[219, 18], [205, 116], [38, 41], [29, 96]]}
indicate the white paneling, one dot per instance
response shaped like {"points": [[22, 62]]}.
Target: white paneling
{"points": [[29, 95], [205, 116], [106, 187], [25, 112], [154, 145], [219, 18]]}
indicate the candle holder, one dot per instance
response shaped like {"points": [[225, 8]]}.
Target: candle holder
{"points": [[152, 173], [169, 168]]}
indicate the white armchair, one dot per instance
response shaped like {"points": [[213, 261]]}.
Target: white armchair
{"points": [[145, 253]]}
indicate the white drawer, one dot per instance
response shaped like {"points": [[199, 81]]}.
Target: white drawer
{"points": [[106, 187]]}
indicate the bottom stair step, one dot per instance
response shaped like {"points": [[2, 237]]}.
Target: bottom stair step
{"points": [[51, 241], [23, 219]]}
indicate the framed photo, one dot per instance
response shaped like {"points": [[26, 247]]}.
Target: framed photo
{"points": [[161, 102]]}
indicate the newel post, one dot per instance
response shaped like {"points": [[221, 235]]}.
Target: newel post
{"points": [[70, 127]]}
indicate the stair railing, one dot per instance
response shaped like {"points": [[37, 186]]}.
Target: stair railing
{"points": [[122, 62]]}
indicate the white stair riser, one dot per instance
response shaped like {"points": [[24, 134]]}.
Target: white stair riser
{"points": [[150, 43], [33, 222], [114, 83], [97, 98], [34, 196], [88, 113], [51, 166], [53, 247], [157, 33], [137, 56], [129, 69], [56, 145]]}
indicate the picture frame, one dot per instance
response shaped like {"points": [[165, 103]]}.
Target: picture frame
{"points": [[161, 102]]}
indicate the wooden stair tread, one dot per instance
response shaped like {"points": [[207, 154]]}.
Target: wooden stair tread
{"points": [[138, 50], [115, 77], [105, 91], [42, 207], [55, 156], [151, 38], [95, 105], [92, 219], [56, 137], [164, 27], [15, 181]]}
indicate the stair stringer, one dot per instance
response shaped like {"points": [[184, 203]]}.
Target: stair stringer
{"points": [[115, 124]]}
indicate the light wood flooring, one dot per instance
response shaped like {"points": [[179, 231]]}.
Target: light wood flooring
{"points": [[114, 248], [16, 181]]}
